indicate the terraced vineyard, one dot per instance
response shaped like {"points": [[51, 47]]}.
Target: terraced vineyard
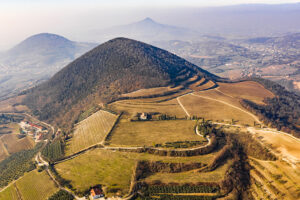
{"points": [[34, 185], [113, 169], [91, 131], [274, 180], [9, 193]]}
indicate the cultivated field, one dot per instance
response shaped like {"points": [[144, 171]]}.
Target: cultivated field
{"points": [[153, 132], [10, 143], [220, 96], [9, 193], [131, 107], [91, 131], [274, 179], [11, 105], [113, 169], [151, 91], [214, 110], [205, 86], [9, 128], [36, 185], [247, 90]]}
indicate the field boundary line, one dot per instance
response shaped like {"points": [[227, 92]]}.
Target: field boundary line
{"points": [[109, 133], [181, 105], [17, 191]]}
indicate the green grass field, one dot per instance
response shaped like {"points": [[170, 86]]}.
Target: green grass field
{"points": [[153, 132], [9, 194], [112, 169], [90, 131], [36, 185]]}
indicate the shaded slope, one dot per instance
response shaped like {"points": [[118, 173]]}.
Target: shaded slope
{"points": [[103, 74]]}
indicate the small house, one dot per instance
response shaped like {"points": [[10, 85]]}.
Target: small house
{"points": [[144, 116], [97, 193]]}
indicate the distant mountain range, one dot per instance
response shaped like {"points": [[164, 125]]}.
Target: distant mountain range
{"points": [[147, 30], [36, 59]]}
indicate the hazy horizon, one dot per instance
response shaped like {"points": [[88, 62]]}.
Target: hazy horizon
{"points": [[76, 19]]}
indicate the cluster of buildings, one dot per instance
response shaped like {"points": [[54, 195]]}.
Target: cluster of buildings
{"points": [[37, 132]]}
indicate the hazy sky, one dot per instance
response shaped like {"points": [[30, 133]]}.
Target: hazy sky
{"points": [[72, 18]]}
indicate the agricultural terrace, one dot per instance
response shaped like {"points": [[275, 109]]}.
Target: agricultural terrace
{"points": [[210, 109], [13, 105], [10, 143], [192, 176], [247, 90], [274, 180], [112, 169], [150, 133], [33, 185], [131, 107], [152, 91], [36, 185], [9, 193], [91, 131]]}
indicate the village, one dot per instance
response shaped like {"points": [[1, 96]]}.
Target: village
{"points": [[37, 132]]}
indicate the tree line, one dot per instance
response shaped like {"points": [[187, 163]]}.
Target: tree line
{"points": [[281, 112]]}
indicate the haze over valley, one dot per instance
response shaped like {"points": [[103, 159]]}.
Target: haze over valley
{"points": [[132, 100]]}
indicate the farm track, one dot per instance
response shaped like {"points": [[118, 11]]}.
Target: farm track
{"points": [[18, 192], [42, 162]]}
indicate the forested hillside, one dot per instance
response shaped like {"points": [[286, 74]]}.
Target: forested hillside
{"points": [[118, 66], [282, 111]]}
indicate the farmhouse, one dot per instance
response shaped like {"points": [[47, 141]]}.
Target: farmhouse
{"points": [[97, 193], [37, 127], [144, 116]]}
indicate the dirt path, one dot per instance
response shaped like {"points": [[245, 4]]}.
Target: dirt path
{"points": [[181, 105], [41, 162], [18, 192]]}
